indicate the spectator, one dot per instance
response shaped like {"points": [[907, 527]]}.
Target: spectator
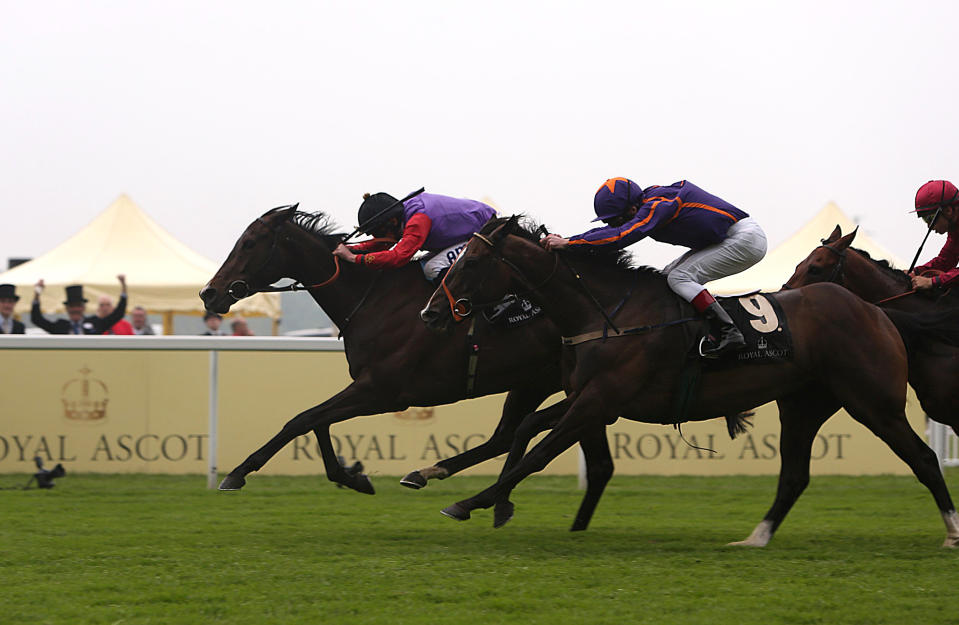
{"points": [[104, 308], [240, 328], [76, 304], [8, 299], [213, 322], [138, 319]]}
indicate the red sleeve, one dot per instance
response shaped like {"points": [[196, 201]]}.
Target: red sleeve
{"points": [[374, 245], [414, 235], [946, 260]]}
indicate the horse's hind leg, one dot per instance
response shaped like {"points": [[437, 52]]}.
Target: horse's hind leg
{"points": [[519, 403], [894, 430], [599, 469], [800, 415], [355, 400]]}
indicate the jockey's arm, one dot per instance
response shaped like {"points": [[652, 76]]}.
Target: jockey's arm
{"points": [[412, 240], [647, 218], [945, 262]]}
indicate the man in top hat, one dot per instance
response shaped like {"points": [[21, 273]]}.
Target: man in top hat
{"points": [[8, 298], [76, 322]]}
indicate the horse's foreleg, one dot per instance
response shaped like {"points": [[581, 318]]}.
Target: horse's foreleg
{"points": [[599, 469], [356, 399], [567, 431], [519, 403], [801, 416]]}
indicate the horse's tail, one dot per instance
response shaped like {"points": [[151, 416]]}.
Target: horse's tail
{"points": [[739, 423], [926, 329]]}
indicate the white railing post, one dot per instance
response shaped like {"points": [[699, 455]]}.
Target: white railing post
{"points": [[212, 478]]}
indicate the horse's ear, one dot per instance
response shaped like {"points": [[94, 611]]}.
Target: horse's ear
{"points": [[282, 213], [846, 241], [507, 228], [834, 236]]}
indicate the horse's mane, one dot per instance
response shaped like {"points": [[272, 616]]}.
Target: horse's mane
{"points": [[884, 265], [318, 223], [529, 229]]}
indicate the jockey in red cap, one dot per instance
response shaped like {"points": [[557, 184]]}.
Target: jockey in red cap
{"points": [[723, 240], [937, 203]]}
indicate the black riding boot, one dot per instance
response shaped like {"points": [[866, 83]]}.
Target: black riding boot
{"points": [[728, 337]]}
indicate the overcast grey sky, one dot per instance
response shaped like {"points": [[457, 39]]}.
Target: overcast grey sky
{"points": [[209, 113]]}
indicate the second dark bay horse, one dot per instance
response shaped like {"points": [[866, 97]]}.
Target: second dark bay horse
{"points": [[933, 364], [395, 362], [847, 353]]}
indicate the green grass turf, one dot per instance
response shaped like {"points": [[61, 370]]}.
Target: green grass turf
{"points": [[163, 549]]}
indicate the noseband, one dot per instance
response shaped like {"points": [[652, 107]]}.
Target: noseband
{"points": [[240, 289], [837, 272], [462, 307]]}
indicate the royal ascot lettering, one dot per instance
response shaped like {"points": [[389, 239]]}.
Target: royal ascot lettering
{"points": [[26, 448], [150, 448], [389, 447], [145, 447], [672, 447]]}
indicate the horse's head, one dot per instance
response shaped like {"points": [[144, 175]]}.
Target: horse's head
{"points": [[825, 263], [257, 260], [480, 276]]}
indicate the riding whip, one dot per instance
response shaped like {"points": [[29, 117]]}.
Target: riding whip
{"points": [[579, 282], [381, 213], [932, 222]]}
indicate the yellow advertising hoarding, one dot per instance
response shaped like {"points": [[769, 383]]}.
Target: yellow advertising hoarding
{"points": [[147, 411]]}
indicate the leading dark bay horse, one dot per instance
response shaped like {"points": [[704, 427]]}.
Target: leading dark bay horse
{"points": [[933, 364], [395, 362], [847, 353]]}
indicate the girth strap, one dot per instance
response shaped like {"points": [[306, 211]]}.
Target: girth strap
{"points": [[604, 333], [473, 359]]}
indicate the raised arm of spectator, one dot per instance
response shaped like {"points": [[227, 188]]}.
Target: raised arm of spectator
{"points": [[36, 317]]}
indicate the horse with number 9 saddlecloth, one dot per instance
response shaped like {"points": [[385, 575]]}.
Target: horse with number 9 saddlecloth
{"points": [[846, 353], [395, 362]]}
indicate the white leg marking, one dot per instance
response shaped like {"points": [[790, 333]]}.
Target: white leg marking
{"points": [[434, 472], [952, 528], [760, 536]]}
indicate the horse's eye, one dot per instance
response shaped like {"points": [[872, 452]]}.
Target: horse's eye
{"points": [[815, 270], [248, 244]]}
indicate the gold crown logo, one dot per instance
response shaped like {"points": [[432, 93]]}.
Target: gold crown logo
{"points": [[84, 399], [415, 414]]}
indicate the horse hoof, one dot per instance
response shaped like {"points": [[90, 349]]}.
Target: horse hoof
{"points": [[232, 482], [746, 543], [456, 511], [951, 542], [502, 513], [414, 480], [361, 483]]}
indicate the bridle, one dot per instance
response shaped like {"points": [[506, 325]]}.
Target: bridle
{"points": [[837, 275], [837, 272], [239, 289], [463, 307]]}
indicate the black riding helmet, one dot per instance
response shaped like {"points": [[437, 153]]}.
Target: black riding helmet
{"points": [[369, 214]]}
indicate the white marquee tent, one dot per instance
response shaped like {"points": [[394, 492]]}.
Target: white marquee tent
{"points": [[771, 272], [163, 275]]}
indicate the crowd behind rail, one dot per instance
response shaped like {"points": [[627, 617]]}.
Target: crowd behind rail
{"points": [[109, 318]]}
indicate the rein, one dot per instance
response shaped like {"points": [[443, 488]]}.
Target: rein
{"points": [[240, 289], [462, 308]]}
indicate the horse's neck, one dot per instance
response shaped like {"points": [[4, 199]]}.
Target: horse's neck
{"points": [[567, 298], [867, 280]]}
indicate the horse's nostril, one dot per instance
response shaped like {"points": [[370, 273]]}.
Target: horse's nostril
{"points": [[207, 293]]}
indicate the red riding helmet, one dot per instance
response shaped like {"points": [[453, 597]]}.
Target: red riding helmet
{"points": [[936, 194]]}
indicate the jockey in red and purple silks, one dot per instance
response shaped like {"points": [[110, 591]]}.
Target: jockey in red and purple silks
{"points": [[433, 223], [723, 240], [937, 203]]}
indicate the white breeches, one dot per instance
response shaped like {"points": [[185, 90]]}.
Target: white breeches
{"points": [[434, 264], [743, 247]]}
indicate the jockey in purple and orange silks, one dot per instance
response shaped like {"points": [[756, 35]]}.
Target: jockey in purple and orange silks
{"points": [[937, 203], [723, 240], [429, 222]]}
